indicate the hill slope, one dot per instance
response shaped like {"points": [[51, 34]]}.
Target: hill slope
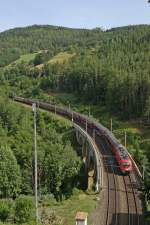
{"points": [[110, 68], [32, 39]]}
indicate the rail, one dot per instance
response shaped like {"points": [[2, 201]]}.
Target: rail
{"points": [[138, 172], [112, 194], [133, 216]]}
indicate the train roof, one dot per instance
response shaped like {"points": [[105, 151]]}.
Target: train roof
{"points": [[122, 150]]}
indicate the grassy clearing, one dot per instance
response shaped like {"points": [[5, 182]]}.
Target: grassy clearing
{"points": [[67, 209], [27, 58], [61, 58]]}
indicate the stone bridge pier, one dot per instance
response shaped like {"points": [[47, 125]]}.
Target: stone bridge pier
{"points": [[88, 159]]}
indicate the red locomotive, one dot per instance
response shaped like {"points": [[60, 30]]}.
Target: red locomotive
{"points": [[123, 159], [121, 154]]}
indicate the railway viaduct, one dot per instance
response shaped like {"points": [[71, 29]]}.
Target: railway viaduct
{"points": [[120, 199], [91, 159]]}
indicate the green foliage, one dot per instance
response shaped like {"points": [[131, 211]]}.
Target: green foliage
{"points": [[36, 38], [43, 56], [6, 210], [50, 218], [38, 60], [24, 209], [10, 177], [54, 151], [60, 168], [8, 55], [108, 68], [47, 200]]}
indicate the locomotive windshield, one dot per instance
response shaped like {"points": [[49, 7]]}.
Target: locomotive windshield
{"points": [[123, 152]]}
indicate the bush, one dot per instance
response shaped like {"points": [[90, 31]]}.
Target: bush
{"points": [[76, 192], [48, 200], [5, 210], [50, 218], [24, 209], [10, 178]]}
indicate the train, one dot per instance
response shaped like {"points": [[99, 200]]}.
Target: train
{"points": [[120, 152]]}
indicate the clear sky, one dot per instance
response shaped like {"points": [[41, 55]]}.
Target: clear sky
{"points": [[73, 13]]}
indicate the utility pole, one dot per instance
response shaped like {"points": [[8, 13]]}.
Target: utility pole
{"points": [[89, 111], [35, 162], [143, 175], [148, 116], [111, 124], [55, 109], [125, 139]]}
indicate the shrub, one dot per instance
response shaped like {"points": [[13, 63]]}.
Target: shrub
{"points": [[50, 218], [47, 200], [10, 178], [5, 210], [24, 209]]}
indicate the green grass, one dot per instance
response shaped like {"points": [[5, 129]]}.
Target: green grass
{"points": [[67, 209], [61, 58], [25, 58]]}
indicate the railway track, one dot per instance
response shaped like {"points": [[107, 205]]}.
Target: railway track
{"points": [[127, 212], [119, 205], [112, 195], [133, 216]]}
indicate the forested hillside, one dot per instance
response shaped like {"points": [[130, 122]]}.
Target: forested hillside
{"points": [[35, 38], [109, 68]]}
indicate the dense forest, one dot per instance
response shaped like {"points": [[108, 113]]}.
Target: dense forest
{"points": [[19, 41], [107, 69]]}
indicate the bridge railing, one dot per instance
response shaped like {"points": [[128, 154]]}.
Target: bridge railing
{"points": [[136, 171]]}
